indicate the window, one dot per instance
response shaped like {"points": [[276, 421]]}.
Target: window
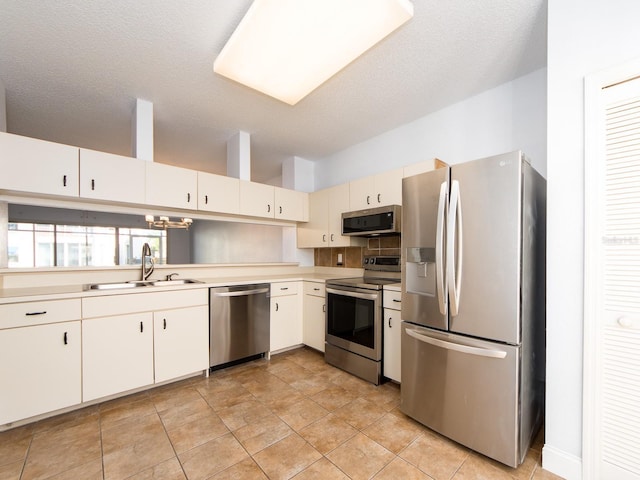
{"points": [[47, 245]]}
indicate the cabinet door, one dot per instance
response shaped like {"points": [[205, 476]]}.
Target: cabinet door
{"points": [[315, 232], [313, 323], [388, 188], [181, 342], [32, 165], [289, 204], [256, 199], [339, 203], [117, 354], [391, 344], [104, 176], [170, 186], [361, 193], [217, 193], [39, 370], [286, 324]]}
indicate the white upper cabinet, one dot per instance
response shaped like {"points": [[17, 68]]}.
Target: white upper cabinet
{"points": [[218, 193], [314, 233], [376, 190], [421, 167], [291, 205], [256, 199], [324, 228], [32, 165], [104, 176], [338, 204], [170, 186]]}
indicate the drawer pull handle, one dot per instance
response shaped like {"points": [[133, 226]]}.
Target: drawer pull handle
{"points": [[368, 202], [65, 338], [141, 327], [332, 237], [206, 199], [284, 288], [390, 322], [316, 289], [324, 308], [164, 323], [64, 180], [324, 237], [93, 184], [277, 306], [268, 208], [188, 197], [281, 210], [379, 198], [29, 314], [396, 300]]}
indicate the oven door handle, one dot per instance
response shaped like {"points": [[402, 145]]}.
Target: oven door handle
{"points": [[347, 293]]}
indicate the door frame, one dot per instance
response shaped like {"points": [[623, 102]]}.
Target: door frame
{"points": [[594, 150]]}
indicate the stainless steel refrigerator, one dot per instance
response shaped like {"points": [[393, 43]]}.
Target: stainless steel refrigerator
{"points": [[473, 303]]}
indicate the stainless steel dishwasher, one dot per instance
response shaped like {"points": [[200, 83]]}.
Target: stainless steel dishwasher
{"points": [[238, 322]]}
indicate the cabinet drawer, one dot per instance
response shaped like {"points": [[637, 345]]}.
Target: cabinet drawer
{"points": [[314, 288], [284, 288], [392, 299], [39, 313], [142, 302]]}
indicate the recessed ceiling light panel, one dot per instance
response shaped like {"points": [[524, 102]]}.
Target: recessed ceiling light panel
{"points": [[287, 48]]}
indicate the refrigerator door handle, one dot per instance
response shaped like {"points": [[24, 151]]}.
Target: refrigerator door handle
{"points": [[440, 240], [436, 342], [454, 239]]}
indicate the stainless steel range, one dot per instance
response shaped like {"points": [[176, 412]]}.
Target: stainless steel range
{"points": [[354, 318]]}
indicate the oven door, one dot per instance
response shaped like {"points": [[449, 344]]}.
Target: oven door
{"points": [[354, 320]]}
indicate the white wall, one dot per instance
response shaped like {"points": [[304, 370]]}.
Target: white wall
{"points": [[583, 37], [509, 117]]}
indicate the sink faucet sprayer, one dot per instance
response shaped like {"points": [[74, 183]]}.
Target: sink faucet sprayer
{"points": [[147, 262]]}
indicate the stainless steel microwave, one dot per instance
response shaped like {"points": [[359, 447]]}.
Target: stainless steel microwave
{"points": [[372, 222]]}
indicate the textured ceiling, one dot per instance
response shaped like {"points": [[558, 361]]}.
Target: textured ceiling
{"points": [[73, 69]]}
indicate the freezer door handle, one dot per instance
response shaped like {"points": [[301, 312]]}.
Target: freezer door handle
{"points": [[454, 239], [436, 342], [441, 290]]}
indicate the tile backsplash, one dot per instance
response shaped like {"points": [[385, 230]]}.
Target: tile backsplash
{"points": [[352, 256]]}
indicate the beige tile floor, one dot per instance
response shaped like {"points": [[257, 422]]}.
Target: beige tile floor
{"points": [[291, 417]]}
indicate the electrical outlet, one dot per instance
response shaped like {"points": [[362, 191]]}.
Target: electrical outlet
{"points": [[339, 259]]}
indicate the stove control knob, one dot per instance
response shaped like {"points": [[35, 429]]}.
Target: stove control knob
{"points": [[366, 261]]}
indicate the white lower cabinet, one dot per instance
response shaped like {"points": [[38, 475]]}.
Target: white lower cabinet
{"points": [[392, 324], [117, 354], [313, 323], [181, 342], [128, 344], [286, 325], [39, 369]]}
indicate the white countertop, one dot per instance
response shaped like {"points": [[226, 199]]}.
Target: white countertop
{"points": [[16, 295]]}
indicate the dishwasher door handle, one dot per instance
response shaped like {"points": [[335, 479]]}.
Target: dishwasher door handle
{"points": [[241, 293]]}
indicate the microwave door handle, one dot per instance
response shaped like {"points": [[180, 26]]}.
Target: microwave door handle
{"points": [[346, 293], [454, 239], [457, 347], [440, 240]]}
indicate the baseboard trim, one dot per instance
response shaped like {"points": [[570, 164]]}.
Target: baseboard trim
{"points": [[561, 463]]}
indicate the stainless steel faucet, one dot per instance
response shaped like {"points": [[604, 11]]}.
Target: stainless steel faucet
{"points": [[147, 262]]}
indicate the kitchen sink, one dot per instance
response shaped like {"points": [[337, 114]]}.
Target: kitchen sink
{"points": [[113, 286], [181, 281], [139, 283]]}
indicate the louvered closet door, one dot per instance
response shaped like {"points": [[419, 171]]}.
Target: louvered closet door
{"points": [[619, 349]]}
